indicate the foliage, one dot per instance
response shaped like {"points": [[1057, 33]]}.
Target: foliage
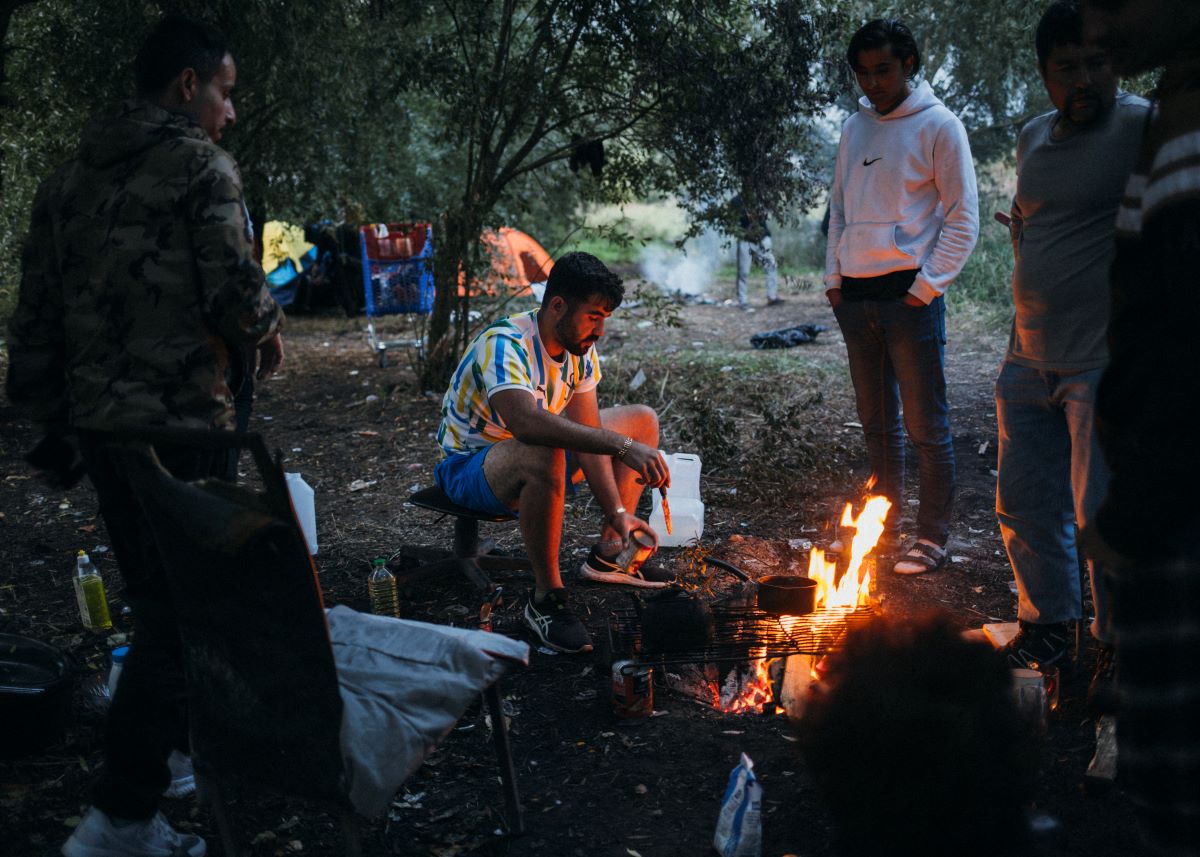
{"points": [[662, 310], [710, 429], [466, 113], [700, 96]]}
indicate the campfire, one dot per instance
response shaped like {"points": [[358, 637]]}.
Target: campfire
{"points": [[760, 662]]}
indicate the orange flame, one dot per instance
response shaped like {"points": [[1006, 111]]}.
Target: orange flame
{"points": [[854, 588]]}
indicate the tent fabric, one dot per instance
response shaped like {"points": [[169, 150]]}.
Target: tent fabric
{"points": [[517, 262], [283, 242]]}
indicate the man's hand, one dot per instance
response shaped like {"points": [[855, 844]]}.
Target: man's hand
{"points": [[649, 464], [270, 356], [835, 297], [912, 300], [614, 535]]}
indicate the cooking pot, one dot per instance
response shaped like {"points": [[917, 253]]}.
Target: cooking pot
{"points": [[787, 593], [675, 621], [35, 695]]}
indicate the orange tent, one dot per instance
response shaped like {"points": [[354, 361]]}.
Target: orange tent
{"points": [[517, 261]]}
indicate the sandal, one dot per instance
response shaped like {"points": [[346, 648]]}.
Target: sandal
{"points": [[923, 557]]}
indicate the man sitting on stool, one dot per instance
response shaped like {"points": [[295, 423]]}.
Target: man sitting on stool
{"points": [[523, 395]]}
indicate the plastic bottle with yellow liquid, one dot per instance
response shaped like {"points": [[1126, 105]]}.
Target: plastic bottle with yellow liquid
{"points": [[89, 593]]}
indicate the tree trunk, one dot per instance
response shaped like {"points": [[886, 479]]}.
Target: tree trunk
{"points": [[452, 254]]}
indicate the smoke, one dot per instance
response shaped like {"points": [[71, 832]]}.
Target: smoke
{"points": [[690, 270]]}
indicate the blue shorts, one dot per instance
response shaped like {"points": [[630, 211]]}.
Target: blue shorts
{"points": [[461, 477]]}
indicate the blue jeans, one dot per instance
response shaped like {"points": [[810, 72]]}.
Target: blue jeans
{"points": [[1052, 479], [897, 356], [763, 255]]}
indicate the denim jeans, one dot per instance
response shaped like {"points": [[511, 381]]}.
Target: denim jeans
{"points": [[763, 255], [897, 357], [1052, 480]]}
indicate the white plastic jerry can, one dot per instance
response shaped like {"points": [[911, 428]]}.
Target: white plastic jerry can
{"points": [[306, 512], [687, 509]]}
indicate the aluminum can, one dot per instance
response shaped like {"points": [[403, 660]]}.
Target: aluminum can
{"points": [[632, 689], [639, 549]]}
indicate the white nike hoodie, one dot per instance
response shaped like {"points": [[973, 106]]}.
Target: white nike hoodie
{"points": [[903, 195]]}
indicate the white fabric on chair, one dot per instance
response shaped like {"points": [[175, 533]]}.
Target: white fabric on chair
{"points": [[403, 686]]}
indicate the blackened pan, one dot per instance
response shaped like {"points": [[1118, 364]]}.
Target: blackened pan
{"points": [[787, 593]]}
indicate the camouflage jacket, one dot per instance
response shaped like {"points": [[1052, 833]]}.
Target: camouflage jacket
{"points": [[138, 280]]}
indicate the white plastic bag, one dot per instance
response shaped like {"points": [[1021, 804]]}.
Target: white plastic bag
{"points": [[739, 827]]}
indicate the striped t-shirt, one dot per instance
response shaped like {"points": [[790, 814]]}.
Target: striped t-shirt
{"points": [[508, 355]]}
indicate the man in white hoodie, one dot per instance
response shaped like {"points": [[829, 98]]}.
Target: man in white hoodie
{"points": [[904, 217]]}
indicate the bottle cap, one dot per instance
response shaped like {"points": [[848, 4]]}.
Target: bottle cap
{"points": [[119, 654], [379, 561]]}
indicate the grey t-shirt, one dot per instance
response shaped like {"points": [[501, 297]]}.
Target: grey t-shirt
{"points": [[1067, 193]]}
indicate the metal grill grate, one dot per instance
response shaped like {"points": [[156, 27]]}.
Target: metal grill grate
{"points": [[741, 634]]}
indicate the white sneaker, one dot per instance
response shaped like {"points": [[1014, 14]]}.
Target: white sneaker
{"points": [[183, 777], [98, 836]]}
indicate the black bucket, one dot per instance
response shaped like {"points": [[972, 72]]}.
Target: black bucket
{"points": [[35, 695]]}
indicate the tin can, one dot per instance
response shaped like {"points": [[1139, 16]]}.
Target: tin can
{"points": [[636, 552], [632, 689]]}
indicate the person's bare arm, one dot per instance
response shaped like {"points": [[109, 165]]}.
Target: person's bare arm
{"points": [[530, 424]]}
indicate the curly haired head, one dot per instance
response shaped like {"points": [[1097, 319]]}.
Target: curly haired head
{"points": [[917, 746]]}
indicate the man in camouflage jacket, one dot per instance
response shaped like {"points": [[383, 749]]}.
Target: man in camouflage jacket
{"points": [[138, 284]]}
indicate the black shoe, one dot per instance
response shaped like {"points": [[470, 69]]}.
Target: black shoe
{"points": [[1040, 647], [556, 625], [774, 301], [1102, 690], [602, 570]]}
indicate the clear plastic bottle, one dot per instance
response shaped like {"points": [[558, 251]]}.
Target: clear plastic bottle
{"points": [[381, 586], [89, 593]]}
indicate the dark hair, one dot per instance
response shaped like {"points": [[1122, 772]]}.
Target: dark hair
{"points": [[178, 42], [577, 276], [1061, 24], [917, 746], [880, 32]]}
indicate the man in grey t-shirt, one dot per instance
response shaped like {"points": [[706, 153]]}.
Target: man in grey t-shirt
{"points": [[1072, 165]]}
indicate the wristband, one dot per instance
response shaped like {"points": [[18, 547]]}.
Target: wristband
{"points": [[624, 449], [620, 510]]}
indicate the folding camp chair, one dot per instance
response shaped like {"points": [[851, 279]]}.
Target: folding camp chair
{"points": [[268, 701]]}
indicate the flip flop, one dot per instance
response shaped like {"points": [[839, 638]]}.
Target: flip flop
{"points": [[922, 558]]}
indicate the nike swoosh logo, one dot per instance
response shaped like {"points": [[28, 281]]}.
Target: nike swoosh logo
{"points": [[867, 163]]}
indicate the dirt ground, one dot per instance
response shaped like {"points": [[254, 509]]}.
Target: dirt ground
{"points": [[362, 436]]}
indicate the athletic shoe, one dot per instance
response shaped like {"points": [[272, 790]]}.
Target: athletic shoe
{"points": [[183, 777], [100, 836], [774, 301], [602, 570], [556, 625], [1039, 647]]}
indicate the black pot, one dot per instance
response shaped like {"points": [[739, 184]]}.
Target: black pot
{"points": [[675, 621], [35, 695], [787, 593]]}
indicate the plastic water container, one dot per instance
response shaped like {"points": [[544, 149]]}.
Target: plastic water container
{"points": [[114, 673], [687, 509], [306, 511]]}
